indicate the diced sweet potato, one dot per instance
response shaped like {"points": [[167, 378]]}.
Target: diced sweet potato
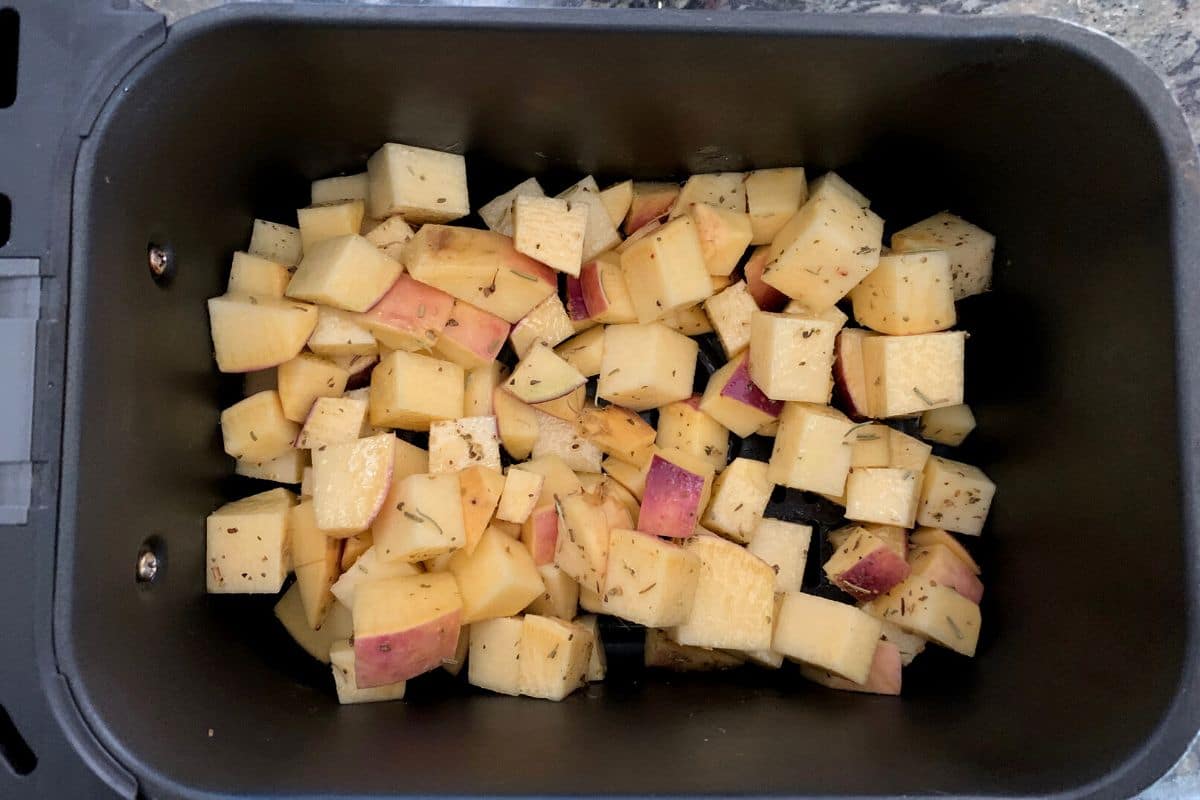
{"points": [[539, 533], [930, 610], [547, 324], [353, 548], [257, 275], [316, 560], [598, 664], [969, 248], [581, 548], [617, 200], [849, 373], [907, 293], [560, 479], [927, 537], [332, 420], [341, 657], [288, 467], [345, 272], [649, 581], [410, 315], [883, 678], [248, 547], [256, 429], [832, 182], [866, 566], [907, 452], [519, 496], [667, 269], [784, 548], [404, 626], [342, 187], [425, 521], [672, 498], [765, 295], [584, 352], [516, 422], [494, 661], [554, 656], [791, 357], [618, 432], [421, 185], [252, 332], [351, 483], [369, 567], [909, 645], [730, 312], [498, 579], [827, 635], [471, 337], [812, 449], [338, 625], [600, 233], [949, 425], [734, 400], [541, 376], [909, 374], [479, 392], [457, 444], [885, 495], [328, 220], [559, 597], [305, 378], [773, 196], [734, 603], [955, 496], [551, 231], [275, 242], [684, 426], [724, 236], [605, 293], [480, 488], [646, 366], [649, 202], [563, 439], [340, 333], [410, 391], [938, 563], [721, 189], [740, 495]]}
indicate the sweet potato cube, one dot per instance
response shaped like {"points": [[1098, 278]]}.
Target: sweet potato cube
{"points": [[256, 428], [338, 625], [329, 220], [539, 533], [341, 659], [351, 483], [927, 537], [404, 626], [288, 467], [784, 547], [585, 351], [721, 189], [516, 422], [660, 651], [969, 248], [672, 500], [419, 184], [605, 293], [410, 316], [907, 452], [955, 496], [730, 312], [341, 187], [939, 564], [316, 560], [600, 234], [684, 426], [883, 678], [668, 270], [480, 488], [480, 389], [541, 376], [949, 425], [275, 242], [248, 547], [551, 231], [881, 494], [618, 432], [870, 446], [305, 378], [494, 661], [257, 275], [649, 581], [812, 449], [547, 324], [598, 664], [739, 498], [791, 357], [369, 567], [766, 296], [646, 366], [735, 401], [617, 199], [564, 440], [345, 272], [907, 293], [734, 604], [390, 236], [827, 635], [930, 610], [252, 332], [519, 496], [559, 597], [910, 374], [559, 479], [410, 391], [908, 644], [497, 580], [581, 548], [457, 444], [832, 182], [649, 202], [866, 566], [554, 656], [724, 236], [425, 521], [773, 196], [471, 337], [340, 333], [332, 420]]}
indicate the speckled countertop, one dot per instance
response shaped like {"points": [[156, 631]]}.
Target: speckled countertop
{"points": [[1164, 33]]}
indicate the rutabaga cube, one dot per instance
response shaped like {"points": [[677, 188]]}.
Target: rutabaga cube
{"points": [[907, 452], [929, 537], [646, 366], [909, 645], [494, 662], [351, 482], [275, 242], [739, 498], [730, 311], [884, 676], [724, 236], [305, 378], [826, 634], [721, 189], [598, 664], [665, 271], [332, 420], [547, 324], [248, 548], [884, 495], [784, 547], [252, 332], [824, 251], [559, 597], [676, 492], [928, 609], [287, 467], [969, 248], [497, 213], [773, 196], [498, 579], [865, 565], [554, 655], [661, 652], [617, 199], [480, 489], [341, 187], [564, 439], [410, 316], [605, 293], [791, 357], [520, 495], [600, 233], [419, 184], [257, 275], [585, 351], [910, 374], [684, 426], [955, 496], [949, 425], [939, 564], [457, 444], [345, 272], [907, 293], [410, 391], [541, 376], [404, 627], [581, 548], [735, 401], [650, 201], [325, 221], [551, 231], [734, 603], [340, 333], [425, 521], [812, 449], [471, 338], [479, 392], [649, 581], [338, 625], [369, 567], [256, 429], [390, 236], [316, 560], [341, 658]]}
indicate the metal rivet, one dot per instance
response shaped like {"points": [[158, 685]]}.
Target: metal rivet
{"points": [[147, 566], [160, 258], [150, 561]]}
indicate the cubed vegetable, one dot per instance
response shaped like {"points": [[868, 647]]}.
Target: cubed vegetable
{"points": [[791, 357], [539, 533], [938, 563], [498, 579], [288, 467], [927, 537], [739, 497], [341, 657], [649, 581], [404, 626], [563, 439], [674, 497], [666, 271], [332, 420], [351, 483], [275, 242], [410, 391], [547, 324], [581, 548], [257, 275], [600, 234], [909, 374], [554, 656], [253, 332], [773, 196], [827, 635], [551, 231], [584, 352], [735, 401], [721, 189], [369, 567], [520, 495], [907, 293], [338, 625], [883, 677], [471, 337], [949, 425], [812, 449], [497, 213], [494, 662], [419, 184], [881, 494], [955, 496], [661, 652], [604, 290], [784, 548], [598, 664], [932, 611], [969, 248], [730, 311], [410, 315], [305, 378], [346, 272], [329, 220], [316, 560], [559, 597], [865, 566], [646, 366], [480, 487], [542, 376], [248, 547], [425, 521], [617, 199], [256, 429], [649, 202], [457, 444], [684, 426], [724, 236], [734, 603]]}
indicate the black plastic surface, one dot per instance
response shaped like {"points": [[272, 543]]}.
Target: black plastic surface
{"points": [[1056, 140]]}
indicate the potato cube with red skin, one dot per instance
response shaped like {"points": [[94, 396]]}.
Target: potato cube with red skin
{"points": [[499, 579], [584, 351], [426, 520], [275, 242], [256, 429], [581, 548], [832, 182], [369, 567], [734, 604], [673, 498], [341, 658], [560, 479], [541, 376], [480, 388], [646, 366], [248, 548], [870, 445], [568, 407], [740, 495], [328, 220], [457, 444], [351, 482], [912, 374], [812, 449], [938, 563], [409, 391], [928, 537], [471, 337], [316, 560], [497, 213], [690, 321], [767, 297], [480, 489], [827, 635], [724, 236], [617, 199], [547, 324], [519, 496], [661, 652], [955, 496], [598, 664], [454, 665], [288, 467], [649, 202], [494, 661], [907, 293], [833, 314], [345, 272], [949, 425], [390, 236], [791, 357], [932, 611], [338, 625], [773, 196], [479, 267], [559, 597], [550, 230], [684, 426], [884, 676], [339, 188], [251, 333], [564, 439], [516, 422], [340, 333], [909, 645], [865, 566], [600, 233], [332, 420], [605, 293], [539, 533], [410, 316], [893, 536], [632, 479], [730, 311], [969, 248], [353, 548], [824, 251], [735, 401], [420, 184], [358, 370], [885, 495], [649, 581], [784, 548], [907, 452], [721, 189], [404, 626], [257, 275], [305, 378], [851, 392], [620, 507], [554, 656], [666, 271]]}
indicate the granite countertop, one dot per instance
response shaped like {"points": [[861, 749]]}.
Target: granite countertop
{"points": [[1164, 33]]}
